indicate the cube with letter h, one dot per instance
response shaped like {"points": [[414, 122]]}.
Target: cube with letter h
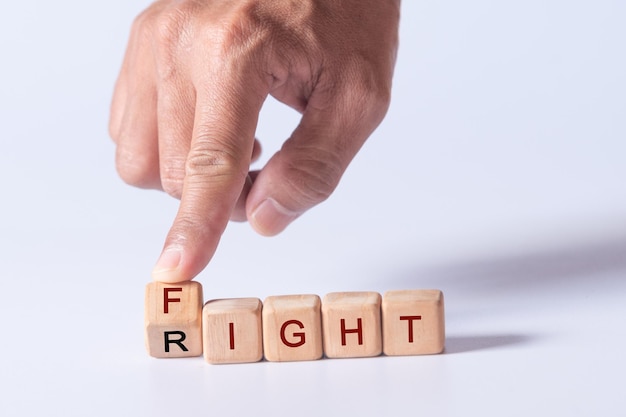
{"points": [[173, 319], [413, 322], [351, 323]]}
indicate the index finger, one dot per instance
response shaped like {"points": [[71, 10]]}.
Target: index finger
{"points": [[226, 117]]}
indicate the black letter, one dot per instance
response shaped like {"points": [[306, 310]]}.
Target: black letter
{"points": [[179, 342]]}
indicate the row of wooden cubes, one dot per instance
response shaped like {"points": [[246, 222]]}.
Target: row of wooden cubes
{"points": [[291, 327]]}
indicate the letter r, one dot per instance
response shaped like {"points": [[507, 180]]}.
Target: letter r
{"points": [[181, 338]]}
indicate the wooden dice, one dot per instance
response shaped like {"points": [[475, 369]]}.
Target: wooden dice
{"points": [[413, 322], [292, 327], [232, 331], [352, 324], [173, 323]]}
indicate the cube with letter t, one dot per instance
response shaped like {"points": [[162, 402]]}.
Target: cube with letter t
{"points": [[413, 322]]}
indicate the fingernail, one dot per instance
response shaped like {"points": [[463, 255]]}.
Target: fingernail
{"points": [[166, 267], [270, 217]]}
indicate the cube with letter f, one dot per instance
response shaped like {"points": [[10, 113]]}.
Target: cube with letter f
{"points": [[173, 319]]}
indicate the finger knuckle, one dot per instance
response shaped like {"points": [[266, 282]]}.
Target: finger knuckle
{"points": [[173, 177], [313, 176], [141, 22], [185, 222], [189, 228], [172, 24], [210, 162], [237, 27], [136, 169], [172, 33], [369, 86], [241, 33]]}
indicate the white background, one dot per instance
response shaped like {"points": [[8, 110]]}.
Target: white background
{"points": [[497, 177]]}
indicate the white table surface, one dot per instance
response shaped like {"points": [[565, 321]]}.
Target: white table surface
{"points": [[498, 177]]}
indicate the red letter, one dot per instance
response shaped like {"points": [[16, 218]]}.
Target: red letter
{"points": [[410, 319], [300, 335], [358, 330], [166, 299], [231, 332]]}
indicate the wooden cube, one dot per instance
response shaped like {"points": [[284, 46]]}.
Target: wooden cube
{"points": [[292, 328], [351, 324], [232, 330], [173, 319], [413, 322]]}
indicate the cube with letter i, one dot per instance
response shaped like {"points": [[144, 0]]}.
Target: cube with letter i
{"points": [[413, 322], [351, 324], [292, 328], [173, 314], [232, 330]]}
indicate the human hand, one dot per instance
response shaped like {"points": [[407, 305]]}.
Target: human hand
{"points": [[187, 101]]}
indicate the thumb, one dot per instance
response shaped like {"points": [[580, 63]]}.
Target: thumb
{"points": [[310, 164]]}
